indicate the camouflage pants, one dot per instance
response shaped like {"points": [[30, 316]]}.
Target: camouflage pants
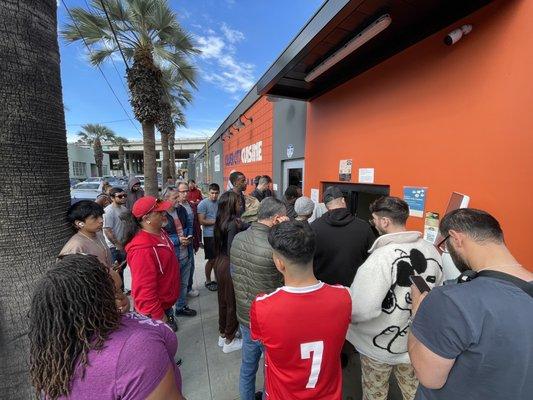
{"points": [[375, 377]]}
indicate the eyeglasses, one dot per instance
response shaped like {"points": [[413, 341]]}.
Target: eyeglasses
{"points": [[121, 196], [442, 244]]}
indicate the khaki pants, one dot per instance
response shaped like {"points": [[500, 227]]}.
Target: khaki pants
{"points": [[375, 377]]}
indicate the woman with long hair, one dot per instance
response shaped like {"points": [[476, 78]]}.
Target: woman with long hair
{"points": [[155, 277], [82, 348], [227, 225], [86, 219]]}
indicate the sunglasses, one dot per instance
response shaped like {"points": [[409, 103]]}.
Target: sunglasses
{"points": [[442, 244], [121, 196]]}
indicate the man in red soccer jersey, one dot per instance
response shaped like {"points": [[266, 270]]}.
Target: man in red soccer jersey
{"points": [[302, 325]]}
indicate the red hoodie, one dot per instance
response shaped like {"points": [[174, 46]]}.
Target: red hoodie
{"points": [[155, 273]]}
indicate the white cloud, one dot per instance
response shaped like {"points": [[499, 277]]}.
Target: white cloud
{"points": [[210, 46], [222, 66], [232, 35]]}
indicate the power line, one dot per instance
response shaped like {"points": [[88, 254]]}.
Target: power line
{"points": [[104, 122], [120, 77], [99, 68], [114, 34]]}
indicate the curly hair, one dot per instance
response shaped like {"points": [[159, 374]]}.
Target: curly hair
{"points": [[72, 312]]}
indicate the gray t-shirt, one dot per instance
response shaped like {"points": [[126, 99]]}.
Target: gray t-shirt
{"points": [[209, 209], [487, 326], [112, 220]]}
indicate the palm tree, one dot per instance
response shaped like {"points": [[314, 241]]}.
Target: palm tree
{"points": [[179, 121], [33, 172], [120, 142], [93, 135], [175, 96], [149, 35]]}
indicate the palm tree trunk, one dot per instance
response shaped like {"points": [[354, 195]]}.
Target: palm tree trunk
{"points": [[166, 155], [98, 156], [149, 154], [172, 162], [121, 159], [33, 144]]}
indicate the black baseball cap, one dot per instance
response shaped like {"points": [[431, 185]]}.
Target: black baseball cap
{"points": [[332, 193]]}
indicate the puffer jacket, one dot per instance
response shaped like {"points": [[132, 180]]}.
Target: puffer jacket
{"points": [[254, 271]]}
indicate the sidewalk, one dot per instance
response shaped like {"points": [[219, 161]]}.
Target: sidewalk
{"points": [[208, 373]]}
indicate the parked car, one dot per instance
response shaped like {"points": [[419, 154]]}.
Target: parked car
{"points": [[74, 182], [85, 191]]}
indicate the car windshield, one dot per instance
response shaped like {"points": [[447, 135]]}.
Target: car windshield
{"points": [[87, 186]]}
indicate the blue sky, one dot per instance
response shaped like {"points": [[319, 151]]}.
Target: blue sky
{"points": [[239, 40]]}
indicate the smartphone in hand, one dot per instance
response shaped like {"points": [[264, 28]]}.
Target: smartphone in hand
{"points": [[420, 283]]}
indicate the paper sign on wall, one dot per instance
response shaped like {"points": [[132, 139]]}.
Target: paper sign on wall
{"points": [[315, 195], [366, 175], [415, 197], [217, 163], [345, 170], [431, 226]]}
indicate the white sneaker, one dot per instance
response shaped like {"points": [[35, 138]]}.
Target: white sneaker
{"points": [[193, 293], [221, 341], [234, 345]]}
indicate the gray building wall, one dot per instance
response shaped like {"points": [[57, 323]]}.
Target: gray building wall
{"points": [[83, 156], [216, 164], [290, 118]]}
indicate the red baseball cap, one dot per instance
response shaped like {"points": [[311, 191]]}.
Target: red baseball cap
{"points": [[148, 204]]}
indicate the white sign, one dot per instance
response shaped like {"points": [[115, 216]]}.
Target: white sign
{"points": [[290, 151], [252, 153], [366, 175], [315, 194], [217, 163], [275, 186]]}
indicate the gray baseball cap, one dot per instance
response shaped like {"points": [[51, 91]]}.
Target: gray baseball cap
{"points": [[304, 206]]}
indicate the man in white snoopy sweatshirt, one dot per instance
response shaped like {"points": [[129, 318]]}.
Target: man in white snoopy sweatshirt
{"points": [[381, 299]]}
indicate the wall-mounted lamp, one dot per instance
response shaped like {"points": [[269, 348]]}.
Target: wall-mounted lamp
{"points": [[364, 36]]}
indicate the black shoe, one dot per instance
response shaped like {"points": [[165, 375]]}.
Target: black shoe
{"points": [[258, 395], [186, 312], [172, 323]]}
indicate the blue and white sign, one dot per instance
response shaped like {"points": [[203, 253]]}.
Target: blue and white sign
{"points": [[290, 151], [415, 197]]}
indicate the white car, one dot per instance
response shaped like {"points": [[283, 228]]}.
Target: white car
{"points": [[85, 191]]}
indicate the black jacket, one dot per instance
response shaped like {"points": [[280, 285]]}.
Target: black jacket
{"points": [[342, 244]]}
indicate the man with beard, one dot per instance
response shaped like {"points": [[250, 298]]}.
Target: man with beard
{"points": [[239, 185], [474, 340], [381, 298], [134, 192]]}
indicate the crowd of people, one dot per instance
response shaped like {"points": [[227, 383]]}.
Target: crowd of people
{"points": [[298, 284]]}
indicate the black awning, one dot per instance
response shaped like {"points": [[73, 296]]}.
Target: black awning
{"points": [[337, 23]]}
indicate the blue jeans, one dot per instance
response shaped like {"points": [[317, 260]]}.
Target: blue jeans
{"points": [[185, 272], [251, 354]]}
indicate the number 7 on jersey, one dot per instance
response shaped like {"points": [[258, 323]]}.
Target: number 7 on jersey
{"points": [[317, 348]]}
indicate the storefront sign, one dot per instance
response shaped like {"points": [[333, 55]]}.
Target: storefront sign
{"points": [[431, 226], [345, 170], [246, 155], [366, 175], [217, 163], [290, 151], [415, 197]]}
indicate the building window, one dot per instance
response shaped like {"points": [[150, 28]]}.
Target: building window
{"points": [[79, 168]]}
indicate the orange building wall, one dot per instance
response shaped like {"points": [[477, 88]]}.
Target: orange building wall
{"points": [[456, 118], [260, 129]]}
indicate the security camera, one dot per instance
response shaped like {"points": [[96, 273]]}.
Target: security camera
{"points": [[456, 35]]}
